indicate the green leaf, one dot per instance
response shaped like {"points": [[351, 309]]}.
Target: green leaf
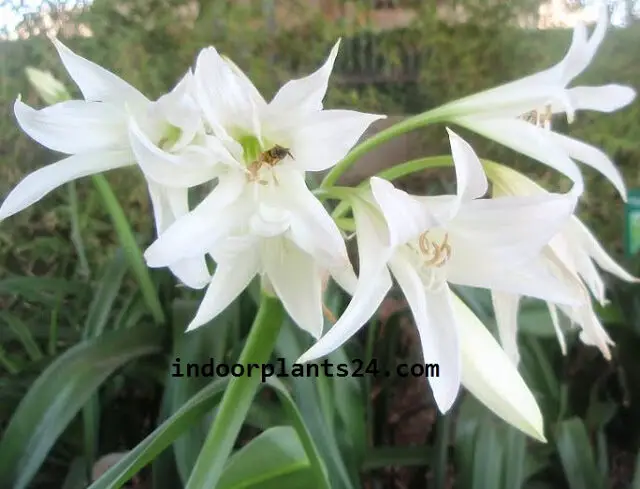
{"points": [[97, 318], [23, 333], [198, 347], [184, 418], [514, 459], [105, 295], [488, 457], [576, 455], [250, 468], [290, 348], [59, 393], [132, 250]]}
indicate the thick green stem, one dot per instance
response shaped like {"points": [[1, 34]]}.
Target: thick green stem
{"points": [[367, 145], [238, 397], [395, 172]]}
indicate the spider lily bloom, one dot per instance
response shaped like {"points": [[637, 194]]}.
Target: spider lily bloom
{"points": [[571, 256], [95, 131], [261, 219], [498, 113], [429, 242]]}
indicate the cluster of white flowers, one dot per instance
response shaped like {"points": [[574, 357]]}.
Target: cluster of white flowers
{"points": [[260, 218]]}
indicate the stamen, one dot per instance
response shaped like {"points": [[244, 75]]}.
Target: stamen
{"points": [[431, 258], [539, 118]]}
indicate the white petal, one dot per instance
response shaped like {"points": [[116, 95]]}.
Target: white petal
{"points": [[305, 94], [576, 59], [432, 311], [191, 167], [229, 280], [74, 126], [247, 84], [297, 281], [39, 183], [529, 140], [194, 233], [373, 284], [606, 98], [505, 307], [553, 311], [168, 205], [405, 216], [221, 94], [532, 279], [489, 374], [593, 333], [312, 228], [321, 140], [96, 83], [511, 229], [471, 180], [592, 156], [345, 277], [581, 233]]}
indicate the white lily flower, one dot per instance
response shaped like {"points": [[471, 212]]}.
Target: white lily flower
{"points": [[261, 219], [571, 256], [498, 113], [104, 132], [429, 242]]}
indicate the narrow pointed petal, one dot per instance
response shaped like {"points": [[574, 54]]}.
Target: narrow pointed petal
{"points": [[345, 277], [505, 307], [95, 82], [433, 313], [247, 85], [605, 98], [297, 281], [221, 94], [406, 217], [471, 180], [197, 231], [74, 126], [305, 94], [364, 303], [229, 280], [586, 239], [531, 279], [510, 229], [39, 183], [592, 156], [188, 168], [321, 140], [576, 59], [373, 284], [312, 228], [489, 374], [555, 320], [168, 205], [531, 141], [593, 333]]}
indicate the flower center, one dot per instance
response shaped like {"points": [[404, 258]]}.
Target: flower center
{"points": [[171, 136], [539, 118], [260, 163], [432, 253]]}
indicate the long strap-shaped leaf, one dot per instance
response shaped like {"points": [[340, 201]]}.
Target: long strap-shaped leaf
{"points": [[192, 410], [59, 393]]}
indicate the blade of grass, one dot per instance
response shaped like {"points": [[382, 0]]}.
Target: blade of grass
{"points": [[76, 235], [128, 242], [22, 332], [59, 393]]}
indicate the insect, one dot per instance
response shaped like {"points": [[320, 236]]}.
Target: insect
{"points": [[542, 119], [270, 157], [441, 253]]}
